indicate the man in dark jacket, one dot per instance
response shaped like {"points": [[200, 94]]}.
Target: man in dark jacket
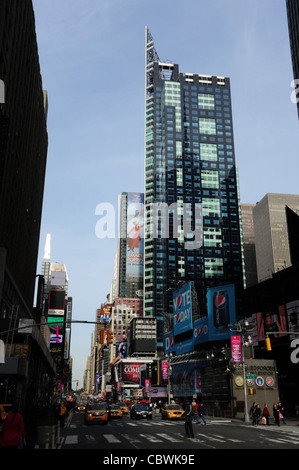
{"points": [[188, 415]]}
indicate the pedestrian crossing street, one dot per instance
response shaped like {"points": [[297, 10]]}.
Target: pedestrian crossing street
{"points": [[166, 433]]}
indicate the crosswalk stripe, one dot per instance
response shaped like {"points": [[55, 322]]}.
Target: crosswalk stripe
{"points": [[210, 437], [168, 437], [71, 440], [111, 438], [150, 438]]}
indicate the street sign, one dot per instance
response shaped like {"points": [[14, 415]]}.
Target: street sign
{"points": [[251, 376]]}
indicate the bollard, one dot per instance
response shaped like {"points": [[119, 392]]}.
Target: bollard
{"points": [[58, 434], [47, 441]]}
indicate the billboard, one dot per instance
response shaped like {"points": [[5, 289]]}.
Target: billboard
{"points": [[214, 327], [187, 379], [182, 310], [56, 303], [56, 326], [135, 237], [58, 278], [221, 311], [122, 350], [105, 312], [130, 371]]}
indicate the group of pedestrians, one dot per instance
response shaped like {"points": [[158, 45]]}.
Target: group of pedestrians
{"points": [[259, 415], [193, 411]]}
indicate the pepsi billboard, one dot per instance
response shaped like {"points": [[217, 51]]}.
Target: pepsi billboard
{"points": [[182, 310], [200, 331], [221, 311]]}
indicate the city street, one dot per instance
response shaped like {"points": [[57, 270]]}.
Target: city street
{"points": [[130, 435]]}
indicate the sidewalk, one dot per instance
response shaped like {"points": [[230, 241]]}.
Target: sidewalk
{"points": [[292, 421]]}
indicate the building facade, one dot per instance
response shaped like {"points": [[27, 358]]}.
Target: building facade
{"points": [[271, 233], [23, 156], [293, 24], [190, 174], [249, 244]]}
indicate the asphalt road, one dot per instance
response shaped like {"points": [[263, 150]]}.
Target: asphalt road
{"points": [[130, 437]]}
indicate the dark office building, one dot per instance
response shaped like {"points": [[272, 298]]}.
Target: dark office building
{"points": [[23, 154], [293, 23], [190, 170]]}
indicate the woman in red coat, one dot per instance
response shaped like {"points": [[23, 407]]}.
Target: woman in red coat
{"points": [[12, 430]]}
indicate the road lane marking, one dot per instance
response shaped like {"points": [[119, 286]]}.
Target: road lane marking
{"points": [[111, 438], [71, 440], [150, 438], [210, 437], [168, 437]]}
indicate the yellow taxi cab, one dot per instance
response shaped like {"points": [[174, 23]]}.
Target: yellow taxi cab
{"points": [[96, 413], [80, 407], [172, 411], [4, 410], [116, 411], [124, 408]]}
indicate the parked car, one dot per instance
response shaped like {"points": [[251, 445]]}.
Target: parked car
{"points": [[139, 411], [172, 411], [96, 413]]}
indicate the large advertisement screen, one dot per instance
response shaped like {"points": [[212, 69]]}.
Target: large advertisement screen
{"points": [[56, 326], [130, 371], [187, 379], [56, 303], [135, 237], [221, 311], [58, 278], [182, 310], [214, 327]]}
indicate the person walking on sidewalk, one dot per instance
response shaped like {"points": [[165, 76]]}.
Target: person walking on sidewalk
{"points": [[276, 415], [12, 430], [201, 413], [257, 415], [281, 412], [266, 414], [188, 415], [252, 412]]}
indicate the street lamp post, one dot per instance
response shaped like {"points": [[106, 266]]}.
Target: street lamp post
{"points": [[238, 328], [169, 374], [243, 344]]}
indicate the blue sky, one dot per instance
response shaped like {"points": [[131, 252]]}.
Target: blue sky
{"points": [[93, 67]]}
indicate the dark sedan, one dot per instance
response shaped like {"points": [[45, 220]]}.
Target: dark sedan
{"points": [[141, 411]]}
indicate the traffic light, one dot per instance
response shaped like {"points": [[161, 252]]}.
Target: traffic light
{"points": [[110, 337], [250, 391], [268, 344]]}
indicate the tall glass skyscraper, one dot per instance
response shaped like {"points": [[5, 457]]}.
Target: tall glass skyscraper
{"points": [[292, 7], [190, 174]]}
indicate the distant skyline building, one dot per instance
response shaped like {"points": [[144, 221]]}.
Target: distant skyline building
{"points": [[271, 233], [249, 244], [190, 169], [293, 25], [55, 274]]}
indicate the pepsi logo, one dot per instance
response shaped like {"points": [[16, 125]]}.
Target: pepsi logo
{"points": [[202, 330], [179, 301], [220, 300]]}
